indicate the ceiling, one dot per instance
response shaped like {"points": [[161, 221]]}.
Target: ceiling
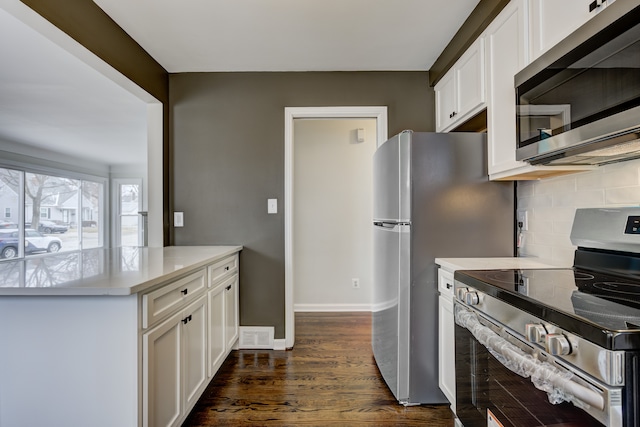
{"points": [[291, 35], [52, 101]]}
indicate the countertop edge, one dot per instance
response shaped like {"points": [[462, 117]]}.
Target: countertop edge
{"points": [[453, 264], [126, 290]]}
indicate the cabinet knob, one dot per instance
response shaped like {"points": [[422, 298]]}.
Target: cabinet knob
{"points": [[226, 268], [184, 291], [448, 285], [228, 288]]}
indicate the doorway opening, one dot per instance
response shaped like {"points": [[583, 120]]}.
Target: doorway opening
{"points": [[291, 113]]}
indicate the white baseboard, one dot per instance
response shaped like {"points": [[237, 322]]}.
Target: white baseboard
{"points": [[331, 307]]}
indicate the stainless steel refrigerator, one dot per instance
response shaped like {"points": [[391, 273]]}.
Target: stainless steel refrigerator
{"points": [[432, 198]]}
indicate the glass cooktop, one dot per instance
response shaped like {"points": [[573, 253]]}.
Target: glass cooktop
{"points": [[609, 302]]}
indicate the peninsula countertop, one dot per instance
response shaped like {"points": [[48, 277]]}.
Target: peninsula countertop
{"points": [[116, 271]]}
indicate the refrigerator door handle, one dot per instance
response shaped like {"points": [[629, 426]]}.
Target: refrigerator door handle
{"points": [[385, 224]]}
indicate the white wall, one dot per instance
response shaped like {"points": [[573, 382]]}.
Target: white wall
{"points": [[332, 239], [551, 205]]}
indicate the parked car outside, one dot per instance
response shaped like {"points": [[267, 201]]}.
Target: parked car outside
{"points": [[7, 224], [34, 242], [49, 227]]}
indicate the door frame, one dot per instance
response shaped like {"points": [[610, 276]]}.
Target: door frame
{"points": [[290, 113]]}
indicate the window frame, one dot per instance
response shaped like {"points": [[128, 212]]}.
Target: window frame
{"points": [[25, 168]]}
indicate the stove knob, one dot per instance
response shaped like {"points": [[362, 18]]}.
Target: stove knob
{"points": [[472, 298], [460, 293], [535, 332], [558, 345]]}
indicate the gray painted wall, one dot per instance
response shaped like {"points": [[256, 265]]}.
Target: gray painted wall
{"points": [[227, 133]]}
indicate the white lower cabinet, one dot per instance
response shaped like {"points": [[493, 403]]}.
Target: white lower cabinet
{"points": [[174, 365], [217, 343], [183, 349], [446, 340], [231, 312]]}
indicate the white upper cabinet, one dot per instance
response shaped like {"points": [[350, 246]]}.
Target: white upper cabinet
{"points": [[461, 92], [553, 20], [506, 55], [507, 52]]}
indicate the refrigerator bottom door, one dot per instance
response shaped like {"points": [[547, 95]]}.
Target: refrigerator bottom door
{"points": [[390, 346]]}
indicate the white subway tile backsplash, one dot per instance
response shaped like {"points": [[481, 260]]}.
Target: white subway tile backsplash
{"points": [[525, 188], [562, 256], [551, 205], [579, 199], [590, 180], [562, 227], [556, 185], [620, 177], [555, 213], [623, 195]]}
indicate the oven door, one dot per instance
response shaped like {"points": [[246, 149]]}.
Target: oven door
{"points": [[489, 392]]}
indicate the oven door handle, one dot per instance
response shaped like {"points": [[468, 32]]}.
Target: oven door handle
{"points": [[554, 381]]}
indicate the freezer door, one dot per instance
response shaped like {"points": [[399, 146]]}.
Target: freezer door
{"points": [[391, 179], [390, 332]]}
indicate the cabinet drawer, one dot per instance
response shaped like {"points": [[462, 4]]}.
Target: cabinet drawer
{"points": [[165, 300], [445, 283], [222, 268]]}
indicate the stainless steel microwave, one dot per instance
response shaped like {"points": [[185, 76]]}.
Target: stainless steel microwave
{"points": [[579, 103]]}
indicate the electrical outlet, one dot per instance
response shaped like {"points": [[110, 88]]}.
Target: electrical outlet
{"points": [[355, 283], [523, 220]]}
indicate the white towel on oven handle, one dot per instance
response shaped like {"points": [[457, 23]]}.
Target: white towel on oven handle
{"points": [[557, 383]]}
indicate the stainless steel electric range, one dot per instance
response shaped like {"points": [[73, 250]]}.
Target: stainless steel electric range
{"points": [[555, 347]]}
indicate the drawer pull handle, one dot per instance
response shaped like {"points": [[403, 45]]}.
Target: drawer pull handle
{"points": [[448, 285], [226, 268], [228, 288], [185, 291], [186, 319]]}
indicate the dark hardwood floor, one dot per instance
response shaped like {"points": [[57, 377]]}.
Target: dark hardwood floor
{"points": [[329, 378]]}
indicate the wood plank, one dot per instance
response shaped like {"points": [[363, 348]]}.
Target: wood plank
{"points": [[329, 378]]}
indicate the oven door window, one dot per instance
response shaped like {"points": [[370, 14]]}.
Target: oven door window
{"points": [[483, 383]]}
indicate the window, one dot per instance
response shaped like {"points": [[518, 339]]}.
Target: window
{"points": [[130, 227], [61, 213]]}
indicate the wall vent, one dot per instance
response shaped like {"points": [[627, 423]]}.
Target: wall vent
{"points": [[259, 337]]}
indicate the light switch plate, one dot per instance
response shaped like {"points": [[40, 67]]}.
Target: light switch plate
{"points": [[178, 219], [272, 206]]}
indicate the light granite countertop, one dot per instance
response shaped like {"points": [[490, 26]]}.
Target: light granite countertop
{"points": [[117, 271], [453, 264]]}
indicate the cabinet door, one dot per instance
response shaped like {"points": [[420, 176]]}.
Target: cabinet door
{"points": [[446, 350], [445, 101], [505, 55], [194, 339], [553, 20], [217, 345], [470, 80], [231, 312], [162, 361]]}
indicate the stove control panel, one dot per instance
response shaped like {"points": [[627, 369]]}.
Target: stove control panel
{"points": [[633, 225]]}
